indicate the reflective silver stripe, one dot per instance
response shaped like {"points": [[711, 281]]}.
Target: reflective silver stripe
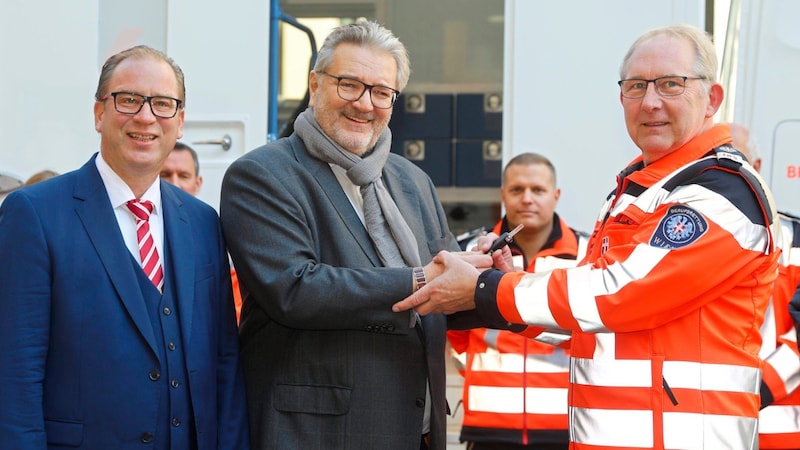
{"points": [[552, 262], [679, 374], [623, 202], [606, 282], [711, 204], [769, 332], [790, 255], [613, 428], [634, 429], [785, 361], [583, 284], [794, 257], [493, 361], [533, 286], [777, 419], [490, 337], [709, 431], [790, 336], [611, 372], [553, 336], [605, 345], [712, 377], [508, 400], [722, 212]]}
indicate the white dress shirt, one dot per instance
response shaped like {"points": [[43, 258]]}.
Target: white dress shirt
{"points": [[120, 193]]}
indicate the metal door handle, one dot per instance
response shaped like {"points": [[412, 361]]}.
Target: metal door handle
{"points": [[225, 142]]}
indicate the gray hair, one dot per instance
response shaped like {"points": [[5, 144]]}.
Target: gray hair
{"points": [[366, 34], [705, 64]]}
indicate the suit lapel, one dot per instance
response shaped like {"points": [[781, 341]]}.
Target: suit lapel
{"points": [[330, 187], [178, 240], [408, 203], [95, 213]]}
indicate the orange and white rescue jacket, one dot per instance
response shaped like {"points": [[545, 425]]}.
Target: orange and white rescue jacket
{"points": [[779, 422], [515, 389], [665, 312]]}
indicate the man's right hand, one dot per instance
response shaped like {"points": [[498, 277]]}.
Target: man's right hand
{"points": [[453, 289]]}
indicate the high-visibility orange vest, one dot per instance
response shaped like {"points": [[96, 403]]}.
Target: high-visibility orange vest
{"points": [[666, 309], [515, 389]]}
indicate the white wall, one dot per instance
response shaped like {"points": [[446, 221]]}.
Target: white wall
{"points": [[768, 92], [560, 93], [48, 76], [52, 52], [223, 50]]}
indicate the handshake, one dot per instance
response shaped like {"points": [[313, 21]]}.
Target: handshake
{"points": [[453, 276]]}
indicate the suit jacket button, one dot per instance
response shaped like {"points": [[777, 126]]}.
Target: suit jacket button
{"points": [[147, 438], [154, 375], [420, 402]]}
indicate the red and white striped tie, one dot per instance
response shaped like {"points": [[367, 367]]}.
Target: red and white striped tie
{"points": [[147, 247]]}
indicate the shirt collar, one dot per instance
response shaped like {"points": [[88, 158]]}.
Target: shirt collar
{"points": [[119, 192]]}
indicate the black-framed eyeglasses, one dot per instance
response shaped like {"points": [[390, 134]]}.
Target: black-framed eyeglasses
{"points": [[665, 86], [131, 103], [349, 89]]}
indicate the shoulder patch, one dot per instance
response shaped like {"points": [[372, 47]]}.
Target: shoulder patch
{"points": [[679, 227]]}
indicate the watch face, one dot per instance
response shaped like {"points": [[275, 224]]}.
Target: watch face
{"points": [[8, 183]]}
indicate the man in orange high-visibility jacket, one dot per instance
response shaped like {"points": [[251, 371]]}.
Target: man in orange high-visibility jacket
{"points": [[515, 389], [779, 419], [666, 308]]}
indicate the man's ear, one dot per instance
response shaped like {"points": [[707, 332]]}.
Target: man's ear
{"points": [[99, 111], [715, 96], [313, 85]]}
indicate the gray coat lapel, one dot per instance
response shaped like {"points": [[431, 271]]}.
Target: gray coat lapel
{"points": [[406, 198], [331, 188]]}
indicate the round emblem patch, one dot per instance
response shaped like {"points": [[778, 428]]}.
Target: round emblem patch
{"points": [[679, 227]]}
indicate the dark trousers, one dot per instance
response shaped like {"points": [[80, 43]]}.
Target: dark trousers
{"points": [[425, 442]]}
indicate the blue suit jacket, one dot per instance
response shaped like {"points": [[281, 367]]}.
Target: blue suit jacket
{"points": [[76, 343]]}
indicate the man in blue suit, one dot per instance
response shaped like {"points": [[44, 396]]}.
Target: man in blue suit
{"points": [[95, 353]]}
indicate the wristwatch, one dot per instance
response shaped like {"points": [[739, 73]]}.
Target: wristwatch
{"points": [[419, 278]]}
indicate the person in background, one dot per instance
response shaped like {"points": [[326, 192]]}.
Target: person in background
{"points": [[182, 168], [664, 311], [779, 419], [8, 183], [40, 176], [515, 389], [117, 327], [327, 229]]}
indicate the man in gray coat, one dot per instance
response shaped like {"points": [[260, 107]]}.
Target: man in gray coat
{"points": [[327, 229]]}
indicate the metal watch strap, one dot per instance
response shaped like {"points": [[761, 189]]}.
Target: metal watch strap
{"points": [[419, 277]]}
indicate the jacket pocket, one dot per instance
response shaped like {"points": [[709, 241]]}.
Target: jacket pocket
{"points": [[328, 400], [63, 433]]}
